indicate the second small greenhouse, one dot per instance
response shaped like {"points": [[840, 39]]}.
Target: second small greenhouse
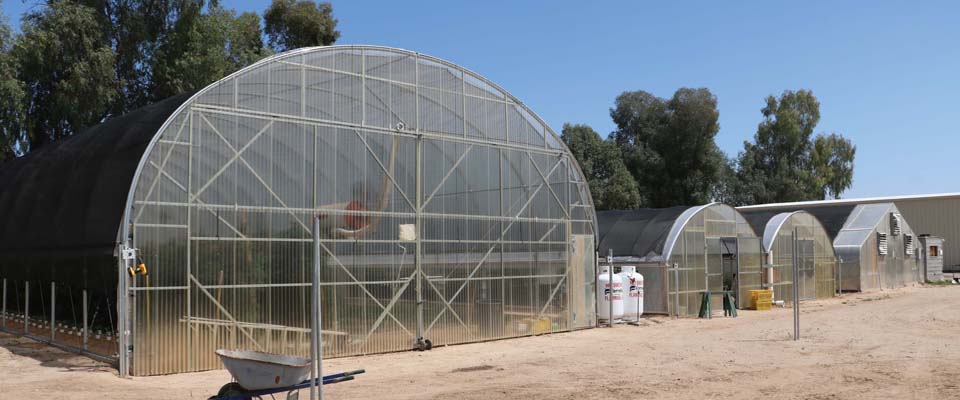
{"points": [[683, 253], [812, 253]]}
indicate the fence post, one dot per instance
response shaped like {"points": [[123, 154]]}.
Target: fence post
{"points": [[796, 287], [53, 311], [26, 307], [85, 329]]}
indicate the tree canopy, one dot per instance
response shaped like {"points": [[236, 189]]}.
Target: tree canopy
{"points": [[66, 65], [78, 63], [612, 186], [11, 97], [668, 145], [785, 162], [292, 24], [663, 153]]}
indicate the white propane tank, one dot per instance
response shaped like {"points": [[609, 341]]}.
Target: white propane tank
{"points": [[604, 295], [633, 283]]}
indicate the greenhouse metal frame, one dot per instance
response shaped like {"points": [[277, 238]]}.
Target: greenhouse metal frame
{"points": [[450, 213], [683, 252], [816, 258], [874, 244]]}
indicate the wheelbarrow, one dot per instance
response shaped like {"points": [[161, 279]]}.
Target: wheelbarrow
{"points": [[259, 374]]}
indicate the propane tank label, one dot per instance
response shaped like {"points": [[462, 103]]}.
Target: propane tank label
{"points": [[636, 288], [617, 292]]}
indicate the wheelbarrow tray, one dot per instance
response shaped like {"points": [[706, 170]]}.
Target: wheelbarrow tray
{"points": [[256, 370]]}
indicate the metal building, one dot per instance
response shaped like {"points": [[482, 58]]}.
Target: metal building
{"points": [[874, 244], [684, 252], [931, 257], [929, 214], [815, 257], [451, 213]]}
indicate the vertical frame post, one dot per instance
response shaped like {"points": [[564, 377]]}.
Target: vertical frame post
{"points": [[86, 337], [796, 287], [123, 312], [3, 314], [53, 311], [316, 339], [190, 243], [419, 250], [26, 307], [610, 282]]}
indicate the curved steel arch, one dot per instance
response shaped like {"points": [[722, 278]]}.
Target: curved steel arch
{"points": [[124, 232], [685, 218]]}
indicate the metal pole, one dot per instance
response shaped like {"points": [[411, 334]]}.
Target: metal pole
{"points": [[796, 288], [316, 353], [26, 307], [53, 311], [840, 276], [85, 328], [418, 253], [610, 283], [676, 292]]}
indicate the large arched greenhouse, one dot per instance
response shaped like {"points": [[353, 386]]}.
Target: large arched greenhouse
{"points": [[450, 212]]}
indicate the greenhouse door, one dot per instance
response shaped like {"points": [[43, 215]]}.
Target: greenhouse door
{"points": [[749, 261], [716, 261], [582, 282]]}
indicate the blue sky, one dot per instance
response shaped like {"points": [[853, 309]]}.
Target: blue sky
{"points": [[886, 73]]}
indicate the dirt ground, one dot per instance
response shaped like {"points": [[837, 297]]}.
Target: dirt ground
{"points": [[902, 344]]}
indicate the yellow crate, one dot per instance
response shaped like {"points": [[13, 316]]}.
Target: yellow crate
{"points": [[762, 306], [761, 299]]}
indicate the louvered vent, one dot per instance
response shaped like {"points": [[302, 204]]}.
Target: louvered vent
{"points": [[882, 243], [895, 224], [908, 244]]}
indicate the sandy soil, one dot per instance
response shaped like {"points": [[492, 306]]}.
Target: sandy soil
{"points": [[901, 344]]}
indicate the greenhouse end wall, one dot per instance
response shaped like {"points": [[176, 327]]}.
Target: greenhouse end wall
{"points": [[815, 257], [449, 211], [699, 258]]}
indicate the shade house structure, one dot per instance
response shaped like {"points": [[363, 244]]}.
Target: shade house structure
{"points": [[874, 245], [449, 213], [815, 258], [684, 252]]}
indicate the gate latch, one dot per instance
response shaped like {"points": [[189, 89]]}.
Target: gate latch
{"points": [[129, 254]]}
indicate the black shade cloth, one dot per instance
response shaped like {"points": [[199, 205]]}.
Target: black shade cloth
{"points": [[832, 217], [758, 219], [61, 206], [636, 233]]}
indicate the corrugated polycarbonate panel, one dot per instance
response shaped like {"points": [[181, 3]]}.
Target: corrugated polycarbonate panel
{"points": [[862, 266], [816, 260], [704, 257], [374, 142]]}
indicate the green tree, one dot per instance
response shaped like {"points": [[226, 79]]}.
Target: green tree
{"points": [[668, 145], [133, 29], [245, 45], [612, 186], [292, 24], [80, 62], [785, 162], [11, 97], [833, 164], [67, 67], [191, 54]]}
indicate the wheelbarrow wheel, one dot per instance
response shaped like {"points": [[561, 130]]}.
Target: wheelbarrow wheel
{"points": [[230, 389]]}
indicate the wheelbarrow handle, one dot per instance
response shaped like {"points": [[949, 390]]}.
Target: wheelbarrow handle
{"points": [[302, 385]]}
